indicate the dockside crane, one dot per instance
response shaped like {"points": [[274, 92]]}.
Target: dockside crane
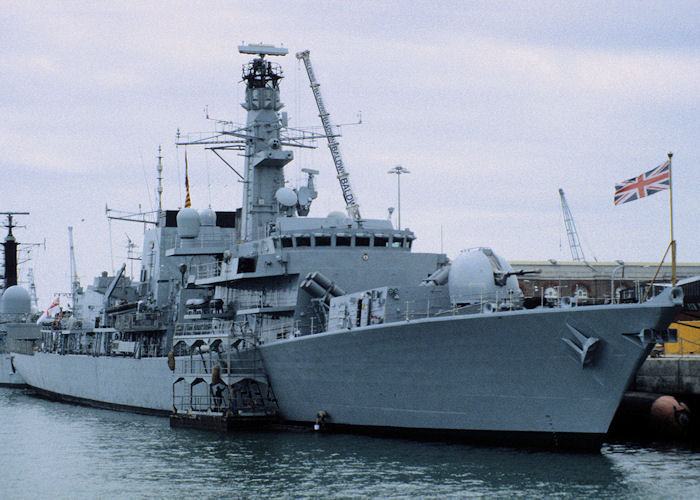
{"points": [[574, 243], [352, 207], [74, 281]]}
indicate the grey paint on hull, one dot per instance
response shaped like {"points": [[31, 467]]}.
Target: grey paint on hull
{"points": [[112, 381], [8, 375], [503, 372], [508, 372]]}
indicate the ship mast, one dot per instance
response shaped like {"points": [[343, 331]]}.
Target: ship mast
{"points": [[265, 133], [10, 246], [264, 156]]}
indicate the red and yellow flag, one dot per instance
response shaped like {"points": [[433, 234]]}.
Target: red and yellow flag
{"points": [[188, 201]]}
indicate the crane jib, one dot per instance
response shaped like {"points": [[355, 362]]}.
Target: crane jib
{"points": [[343, 175]]}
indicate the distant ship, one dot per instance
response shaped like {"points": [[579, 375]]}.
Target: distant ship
{"points": [[335, 320], [17, 328]]}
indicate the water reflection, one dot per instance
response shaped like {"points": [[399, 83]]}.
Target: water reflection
{"points": [[67, 451]]}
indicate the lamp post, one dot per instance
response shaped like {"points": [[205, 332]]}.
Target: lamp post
{"points": [[398, 170], [612, 280]]}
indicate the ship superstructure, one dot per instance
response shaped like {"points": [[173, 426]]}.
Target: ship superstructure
{"points": [[279, 314], [17, 328]]}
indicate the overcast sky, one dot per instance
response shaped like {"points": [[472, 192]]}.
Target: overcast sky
{"points": [[492, 106]]}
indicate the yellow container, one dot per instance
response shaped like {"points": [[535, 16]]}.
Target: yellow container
{"points": [[688, 338]]}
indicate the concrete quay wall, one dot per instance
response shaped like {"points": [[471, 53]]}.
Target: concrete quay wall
{"points": [[670, 375]]}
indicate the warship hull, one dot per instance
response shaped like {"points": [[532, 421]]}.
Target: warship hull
{"points": [[8, 374], [507, 374], [119, 383]]}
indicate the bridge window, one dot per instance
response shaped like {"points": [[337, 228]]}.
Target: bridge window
{"points": [[362, 241], [286, 242], [322, 241], [303, 241], [343, 241], [381, 241]]}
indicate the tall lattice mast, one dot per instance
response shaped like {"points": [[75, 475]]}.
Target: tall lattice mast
{"points": [[574, 242]]}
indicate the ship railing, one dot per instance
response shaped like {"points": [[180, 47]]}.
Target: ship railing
{"points": [[280, 298], [194, 403], [219, 402], [208, 241], [279, 329], [208, 270], [139, 319], [204, 367], [151, 351], [207, 328], [247, 299]]}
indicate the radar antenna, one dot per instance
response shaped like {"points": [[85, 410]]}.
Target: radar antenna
{"points": [[574, 243], [343, 176]]}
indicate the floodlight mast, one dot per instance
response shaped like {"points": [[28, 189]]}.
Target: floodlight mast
{"points": [[352, 207]]}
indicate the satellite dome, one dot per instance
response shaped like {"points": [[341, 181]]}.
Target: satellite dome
{"points": [[207, 217], [286, 196], [337, 219], [188, 223], [15, 300]]}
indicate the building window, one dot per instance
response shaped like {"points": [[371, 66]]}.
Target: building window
{"points": [[580, 292]]}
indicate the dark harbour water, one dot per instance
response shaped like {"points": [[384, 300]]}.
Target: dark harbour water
{"points": [[54, 450]]}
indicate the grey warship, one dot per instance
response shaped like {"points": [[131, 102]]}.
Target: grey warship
{"points": [[17, 328], [267, 310]]}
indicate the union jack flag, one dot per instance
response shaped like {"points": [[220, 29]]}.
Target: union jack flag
{"points": [[653, 181]]}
